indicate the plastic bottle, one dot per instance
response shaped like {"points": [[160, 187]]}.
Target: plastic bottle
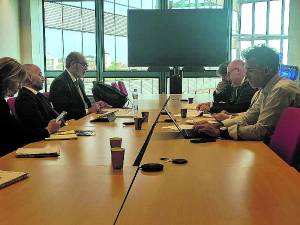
{"points": [[135, 100]]}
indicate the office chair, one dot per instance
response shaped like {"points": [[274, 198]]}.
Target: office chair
{"points": [[122, 88], [286, 138], [115, 85]]}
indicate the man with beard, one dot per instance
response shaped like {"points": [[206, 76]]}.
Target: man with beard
{"points": [[33, 108], [276, 94]]}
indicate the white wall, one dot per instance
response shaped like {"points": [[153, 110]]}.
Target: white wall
{"points": [[9, 29]]}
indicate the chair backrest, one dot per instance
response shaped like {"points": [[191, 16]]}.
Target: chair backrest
{"points": [[115, 85], [11, 104], [46, 94], [122, 88], [286, 138]]}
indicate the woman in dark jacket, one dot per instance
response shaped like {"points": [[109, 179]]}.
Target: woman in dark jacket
{"points": [[12, 134]]}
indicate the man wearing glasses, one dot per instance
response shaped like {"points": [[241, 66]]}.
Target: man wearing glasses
{"points": [[238, 95], [67, 90]]}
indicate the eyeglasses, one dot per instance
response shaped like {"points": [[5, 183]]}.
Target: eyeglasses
{"points": [[83, 64]]}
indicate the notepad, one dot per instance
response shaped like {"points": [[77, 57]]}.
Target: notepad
{"points": [[10, 177], [59, 136], [121, 113], [48, 151]]}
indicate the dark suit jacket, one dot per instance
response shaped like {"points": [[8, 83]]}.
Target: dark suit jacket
{"points": [[224, 95], [64, 96], [34, 111], [236, 103], [12, 134]]}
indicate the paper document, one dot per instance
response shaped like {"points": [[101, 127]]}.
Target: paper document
{"points": [[10, 177], [182, 126], [47, 151], [122, 113]]}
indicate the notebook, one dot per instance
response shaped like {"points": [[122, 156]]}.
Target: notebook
{"points": [[48, 151], [78, 132], [59, 136], [10, 177]]}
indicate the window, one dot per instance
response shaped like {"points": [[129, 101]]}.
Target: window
{"points": [[69, 26], [264, 22], [115, 31]]}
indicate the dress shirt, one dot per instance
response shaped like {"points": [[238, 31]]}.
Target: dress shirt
{"points": [[75, 81], [259, 122]]}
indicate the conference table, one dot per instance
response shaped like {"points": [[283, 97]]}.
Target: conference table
{"points": [[224, 182]]}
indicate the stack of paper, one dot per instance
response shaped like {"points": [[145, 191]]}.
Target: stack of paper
{"points": [[10, 177], [48, 151]]}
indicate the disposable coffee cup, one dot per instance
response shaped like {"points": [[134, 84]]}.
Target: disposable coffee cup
{"points": [[115, 142], [145, 116], [190, 100], [117, 158], [183, 113], [138, 123]]}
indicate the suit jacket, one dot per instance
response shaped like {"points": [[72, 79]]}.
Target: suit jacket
{"points": [[239, 100], [64, 95], [34, 111], [224, 95], [13, 134]]}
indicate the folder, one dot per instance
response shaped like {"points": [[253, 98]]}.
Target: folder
{"points": [[10, 177], [59, 136], [48, 151]]}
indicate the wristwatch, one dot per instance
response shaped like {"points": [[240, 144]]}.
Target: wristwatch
{"points": [[224, 133]]}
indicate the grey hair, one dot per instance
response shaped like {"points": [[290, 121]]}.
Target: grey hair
{"points": [[73, 57]]}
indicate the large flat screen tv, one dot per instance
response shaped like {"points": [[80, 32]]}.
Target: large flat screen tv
{"points": [[177, 37]]}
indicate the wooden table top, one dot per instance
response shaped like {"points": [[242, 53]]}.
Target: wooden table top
{"points": [[224, 182], [80, 186]]}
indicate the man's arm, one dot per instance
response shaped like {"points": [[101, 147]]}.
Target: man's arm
{"points": [[29, 114], [275, 103]]}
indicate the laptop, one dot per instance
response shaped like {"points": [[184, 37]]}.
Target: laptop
{"points": [[186, 133]]}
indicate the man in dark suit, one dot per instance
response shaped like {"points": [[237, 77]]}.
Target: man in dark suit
{"points": [[67, 90], [33, 108], [239, 94]]}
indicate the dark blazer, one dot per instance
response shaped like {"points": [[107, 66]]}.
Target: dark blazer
{"points": [[238, 102], [64, 95], [34, 111], [13, 134], [224, 95]]}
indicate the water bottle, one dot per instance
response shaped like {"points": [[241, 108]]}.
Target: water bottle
{"points": [[135, 101]]}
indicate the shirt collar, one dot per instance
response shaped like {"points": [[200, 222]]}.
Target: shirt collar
{"points": [[72, 77], [31, 89], [271, 84]]}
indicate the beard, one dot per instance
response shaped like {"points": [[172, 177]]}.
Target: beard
{"points": [[37, 86]]}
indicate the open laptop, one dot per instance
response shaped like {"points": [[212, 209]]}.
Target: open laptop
{"points": [[186, 133]]}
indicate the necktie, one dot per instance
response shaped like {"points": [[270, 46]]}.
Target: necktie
{"points": [[76, 83]]}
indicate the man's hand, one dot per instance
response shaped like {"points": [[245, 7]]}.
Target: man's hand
{"points": [[203, 106], [98, 107], [53, 126], [207, 128], [221, 116]]}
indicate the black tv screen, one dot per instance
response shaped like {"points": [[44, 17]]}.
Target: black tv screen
{"points": [[177, 37]]}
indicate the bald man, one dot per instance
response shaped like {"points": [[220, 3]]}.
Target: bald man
{"points": [[240, 92], [33, 108]]}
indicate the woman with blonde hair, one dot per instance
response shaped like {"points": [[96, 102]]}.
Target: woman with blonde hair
{"points": [[13, 134]]}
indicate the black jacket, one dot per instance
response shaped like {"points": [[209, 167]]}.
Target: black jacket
{"points": [[34, 111], [12, 134], [64, 95], [239, 99]]}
